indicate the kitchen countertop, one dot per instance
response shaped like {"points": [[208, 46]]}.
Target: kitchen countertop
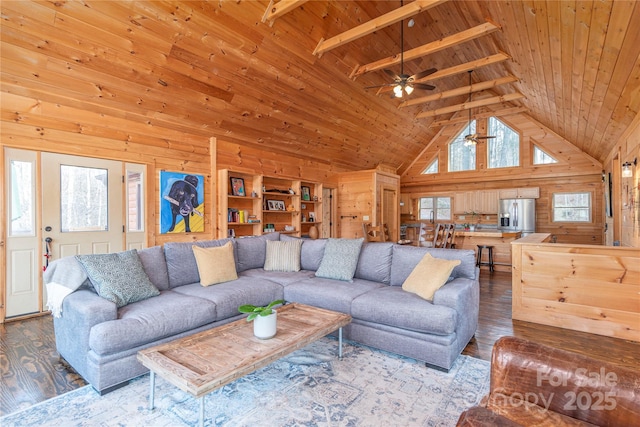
{"points": [[489, 233]]}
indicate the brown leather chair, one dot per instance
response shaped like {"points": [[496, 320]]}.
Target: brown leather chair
{"points": [[533, 384]]}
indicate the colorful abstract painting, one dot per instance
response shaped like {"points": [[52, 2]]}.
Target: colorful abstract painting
{"points": [[181, 203]]}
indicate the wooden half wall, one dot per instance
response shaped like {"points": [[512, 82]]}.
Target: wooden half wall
{"points": [[586, 288]]}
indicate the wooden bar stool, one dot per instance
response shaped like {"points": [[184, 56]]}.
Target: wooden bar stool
{"points": [[479, 261]]}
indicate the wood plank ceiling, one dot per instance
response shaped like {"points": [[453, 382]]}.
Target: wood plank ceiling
{"points": [[290, 76]]}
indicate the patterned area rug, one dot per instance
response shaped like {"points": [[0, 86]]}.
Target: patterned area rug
{"points": [[310, 387]]}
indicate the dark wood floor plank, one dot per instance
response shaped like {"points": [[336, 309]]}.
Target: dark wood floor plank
{"points": [[32, 370]]}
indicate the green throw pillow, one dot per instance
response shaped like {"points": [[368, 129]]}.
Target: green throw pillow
{"points": [[118, 277], [340, 259]]}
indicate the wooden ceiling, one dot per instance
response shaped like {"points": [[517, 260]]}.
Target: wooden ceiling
{"points": [[246, 71]]}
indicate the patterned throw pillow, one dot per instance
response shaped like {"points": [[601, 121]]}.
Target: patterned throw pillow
{"points": [[118, 277], [283, 256], [216, 264], [429, 275], [340, 259]]}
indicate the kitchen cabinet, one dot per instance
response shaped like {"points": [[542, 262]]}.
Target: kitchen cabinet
{"points": [[520, 193], [405, 204], [483, 202]]}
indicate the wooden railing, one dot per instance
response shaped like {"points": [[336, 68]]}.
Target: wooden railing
{"points": [[585, 288]]}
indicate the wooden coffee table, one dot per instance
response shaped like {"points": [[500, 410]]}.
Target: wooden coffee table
{"points": [[201, 363]]}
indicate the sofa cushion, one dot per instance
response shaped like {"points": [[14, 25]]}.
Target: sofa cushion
{"points": [[405, 259], [311, 253], [328, 293], [155, 266], [390, 305], [280, 277], [147, 321], [375, 262], [429, 275], [252, 251], [229, 296], [283, 256], [118, 277], [215, 265], [181, 263], [340, 259]]}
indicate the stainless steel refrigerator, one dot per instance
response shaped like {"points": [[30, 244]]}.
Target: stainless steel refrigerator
{"points": [[517, 215]]}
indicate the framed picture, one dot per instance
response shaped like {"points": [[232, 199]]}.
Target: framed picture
{"points": [[306, 191], [275, 205], [237, 187], [312, 217], [608, 203], [181, 203]]}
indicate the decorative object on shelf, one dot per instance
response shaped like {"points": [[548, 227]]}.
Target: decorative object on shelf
{"points": [[275, 205], [269, 228], [315, 198], [306, 193], [313, 232], [466, 226], [231, 233], [303, 218], [182, 204], [237, 186], [290, 208], [265, 319], [289, 228], [254, 194], [312, 217], [303, 206]]}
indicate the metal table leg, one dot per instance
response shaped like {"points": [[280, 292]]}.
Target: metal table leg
{"points": [[201, 416], [152, 386], [340, 343]]}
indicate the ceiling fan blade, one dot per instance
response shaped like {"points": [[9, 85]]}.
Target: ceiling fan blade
{"points": [[423, 74], [392, 74], [423, 86], [484, 137], [384, 85]]}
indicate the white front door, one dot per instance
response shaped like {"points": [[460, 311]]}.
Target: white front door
{"points": [[76, 205]]}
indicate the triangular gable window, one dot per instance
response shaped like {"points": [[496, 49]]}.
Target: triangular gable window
{"points": [[432, 168], [542, 158]]}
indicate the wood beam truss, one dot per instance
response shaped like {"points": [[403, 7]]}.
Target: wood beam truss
{"points": [[465, 90], [276, 10], [429, 48], [457, 69], [376, 24], [464, 119], [473, 104]]}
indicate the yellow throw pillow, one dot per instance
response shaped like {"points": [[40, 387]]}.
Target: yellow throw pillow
{"points": [[429, 275], [215, 265]]}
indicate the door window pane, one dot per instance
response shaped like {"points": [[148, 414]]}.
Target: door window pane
{"points": [[22, 221], [83, 199], [134, 201]]}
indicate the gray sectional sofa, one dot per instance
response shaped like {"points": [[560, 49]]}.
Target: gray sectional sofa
{"points": [[101, 341]]}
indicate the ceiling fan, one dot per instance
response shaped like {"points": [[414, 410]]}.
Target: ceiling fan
{"points": [[404, 83], [472, 139]]}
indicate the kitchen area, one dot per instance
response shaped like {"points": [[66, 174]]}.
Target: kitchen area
{"points": [[482, 218]]}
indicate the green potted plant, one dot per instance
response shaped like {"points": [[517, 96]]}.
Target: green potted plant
{"points": [[265, 325], [475, 218]]}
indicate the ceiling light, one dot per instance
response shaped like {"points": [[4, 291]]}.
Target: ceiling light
{"points": [[411, 23], [408, 89], [626, 168], [397, 90]]}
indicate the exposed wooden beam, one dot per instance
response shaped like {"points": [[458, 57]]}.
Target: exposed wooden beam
{"points": [[465, 90], [457, 69], [462, 119], [369, 27], [276, 10], [429, 48], [472, 104]]}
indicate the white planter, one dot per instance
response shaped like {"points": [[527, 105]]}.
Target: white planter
{"points": [[264, 327]]}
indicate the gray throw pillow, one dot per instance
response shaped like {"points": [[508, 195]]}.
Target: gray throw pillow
{"points": [[283, 256], [118, 277], [340, 259]]}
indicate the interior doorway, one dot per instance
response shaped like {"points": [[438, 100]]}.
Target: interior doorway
{"points": [[61, 205]]}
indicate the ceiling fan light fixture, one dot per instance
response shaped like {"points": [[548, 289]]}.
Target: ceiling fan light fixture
{"points": [[397, 90], [408, 89]]}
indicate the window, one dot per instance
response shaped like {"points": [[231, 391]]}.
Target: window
{"points": [[135, 206], [83, 199], [435, 208], [432, 168], [542, 158], [503, 151], [572, 207], [462, 157], [21, 199]]}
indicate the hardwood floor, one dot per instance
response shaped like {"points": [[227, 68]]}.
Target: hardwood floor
{"points": [[32, 371]]}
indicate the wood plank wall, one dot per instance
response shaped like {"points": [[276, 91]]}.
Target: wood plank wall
{"points": [[574, 172], [587, 288]]}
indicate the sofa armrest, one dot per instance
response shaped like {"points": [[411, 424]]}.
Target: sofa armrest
{"points": [[563, 382], [81, 310], [463, 295]]}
